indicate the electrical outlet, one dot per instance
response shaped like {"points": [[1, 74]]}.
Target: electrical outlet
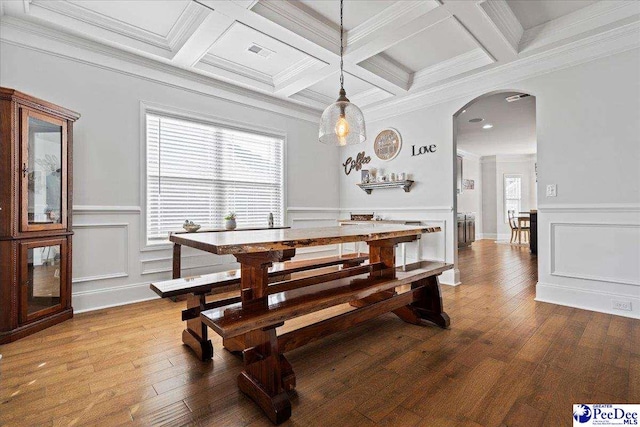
{"points": [[621, 305], [552, 190]]}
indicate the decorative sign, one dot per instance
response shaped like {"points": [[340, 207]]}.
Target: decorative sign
{"points": [[423, 150], [387, 144], [468, 184], [350, 164]]}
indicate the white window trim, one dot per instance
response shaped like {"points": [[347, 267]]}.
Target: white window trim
{"points": [[147, 107], [504, 194]]}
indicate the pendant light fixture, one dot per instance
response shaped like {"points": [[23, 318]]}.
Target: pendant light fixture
{"points": [[342, 122]]}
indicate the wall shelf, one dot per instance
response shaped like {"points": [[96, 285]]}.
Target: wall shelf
{"points": [[369, 187]]}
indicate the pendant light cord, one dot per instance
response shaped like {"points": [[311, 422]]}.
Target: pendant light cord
{"points": [[341, 47]]}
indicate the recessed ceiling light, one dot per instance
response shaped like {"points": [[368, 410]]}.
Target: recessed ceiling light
{"points": [[476, 120], [487, 126]]}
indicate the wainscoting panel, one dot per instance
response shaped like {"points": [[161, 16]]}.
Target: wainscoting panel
{"points": [[589, 257], [589, 251], [100, 251]]}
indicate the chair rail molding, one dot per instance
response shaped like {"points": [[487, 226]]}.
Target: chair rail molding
{"points": [[100, 209]]}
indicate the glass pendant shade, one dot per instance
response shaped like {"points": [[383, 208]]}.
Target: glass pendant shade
{"points": [[342, 123]]}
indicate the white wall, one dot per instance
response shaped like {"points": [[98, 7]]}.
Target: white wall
{"points": [[110, 265], [431, 198], [587, 130], [489, 198]]}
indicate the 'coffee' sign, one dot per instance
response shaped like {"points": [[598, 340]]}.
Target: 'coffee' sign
{"points": [[423, 150], [356, 164]]}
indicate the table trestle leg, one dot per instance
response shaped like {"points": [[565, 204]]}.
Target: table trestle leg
{"points": [[267, 374], [196, 334]]}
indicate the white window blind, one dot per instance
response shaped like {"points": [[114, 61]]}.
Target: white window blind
{"points": [[512, 194], [202, 172]]}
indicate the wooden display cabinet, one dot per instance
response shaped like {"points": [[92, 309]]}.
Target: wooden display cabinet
{"points": [[35, 214]]}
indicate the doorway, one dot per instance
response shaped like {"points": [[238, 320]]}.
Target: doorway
{"points": [[495, 194]]}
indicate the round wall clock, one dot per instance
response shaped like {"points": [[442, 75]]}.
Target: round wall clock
{"points": [[387, 144]]}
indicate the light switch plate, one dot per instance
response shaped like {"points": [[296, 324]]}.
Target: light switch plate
{"points": [[552, 190]]}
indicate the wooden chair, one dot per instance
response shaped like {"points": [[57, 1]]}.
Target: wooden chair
{"points": [[516, 229]]}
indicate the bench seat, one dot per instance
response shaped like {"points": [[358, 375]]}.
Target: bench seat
{"points": [[232, 320], [230, 280]]}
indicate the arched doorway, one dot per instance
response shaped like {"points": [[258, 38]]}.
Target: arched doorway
{"points": [[495, 174]]}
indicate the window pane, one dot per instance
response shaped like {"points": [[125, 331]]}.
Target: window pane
{"points": [[512, 195], [201, 172]]}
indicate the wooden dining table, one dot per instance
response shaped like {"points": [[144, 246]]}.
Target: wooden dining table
{"points": [[372, 289]]}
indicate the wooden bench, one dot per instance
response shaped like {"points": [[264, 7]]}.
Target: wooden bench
{"points": [[413, 296], [196, 288]]}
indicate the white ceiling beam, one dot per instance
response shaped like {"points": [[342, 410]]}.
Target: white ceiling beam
{"points": [[296, 19], [393, 33], [199, 43], [505, 21], [475, 19]]}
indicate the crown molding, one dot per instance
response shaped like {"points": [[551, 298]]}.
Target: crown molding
{"points": [[387, 69], [300, 22], [457, 65], [190, 19], [312, 97], [505, 21], [370, 96], [82, 15], [47, 40], [305, 65], [398, 10], [607, 43], [581, 21], [229, 70], [467, 154]]}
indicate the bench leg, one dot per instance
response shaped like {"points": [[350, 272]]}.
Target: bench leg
{"points": [[428, 302], [195, 336], [266, 375]]}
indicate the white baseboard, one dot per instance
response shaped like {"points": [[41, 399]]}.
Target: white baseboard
{"points": [[586, 299], [450, 278], [487, 236]]}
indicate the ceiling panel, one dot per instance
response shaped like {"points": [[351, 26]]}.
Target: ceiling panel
{"points": [[234, 44], [513, 131], [531, 13], [355, 12], [156, 16], [440, 42]]}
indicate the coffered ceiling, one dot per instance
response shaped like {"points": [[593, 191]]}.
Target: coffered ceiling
{"points": [[290, 49]]}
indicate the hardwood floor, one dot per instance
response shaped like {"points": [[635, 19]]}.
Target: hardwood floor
{"points": [[506, 361]]}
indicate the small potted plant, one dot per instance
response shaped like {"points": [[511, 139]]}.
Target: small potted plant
{"points": [[230, 221]]}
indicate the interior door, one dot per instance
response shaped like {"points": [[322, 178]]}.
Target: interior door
{"points": [[43, 164]]}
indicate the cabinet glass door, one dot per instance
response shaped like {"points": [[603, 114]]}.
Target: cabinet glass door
{"points": [[43, 277], [43, 170]]}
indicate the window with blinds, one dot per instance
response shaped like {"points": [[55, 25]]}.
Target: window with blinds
{"points": [[201, 172], [512, 195]]}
